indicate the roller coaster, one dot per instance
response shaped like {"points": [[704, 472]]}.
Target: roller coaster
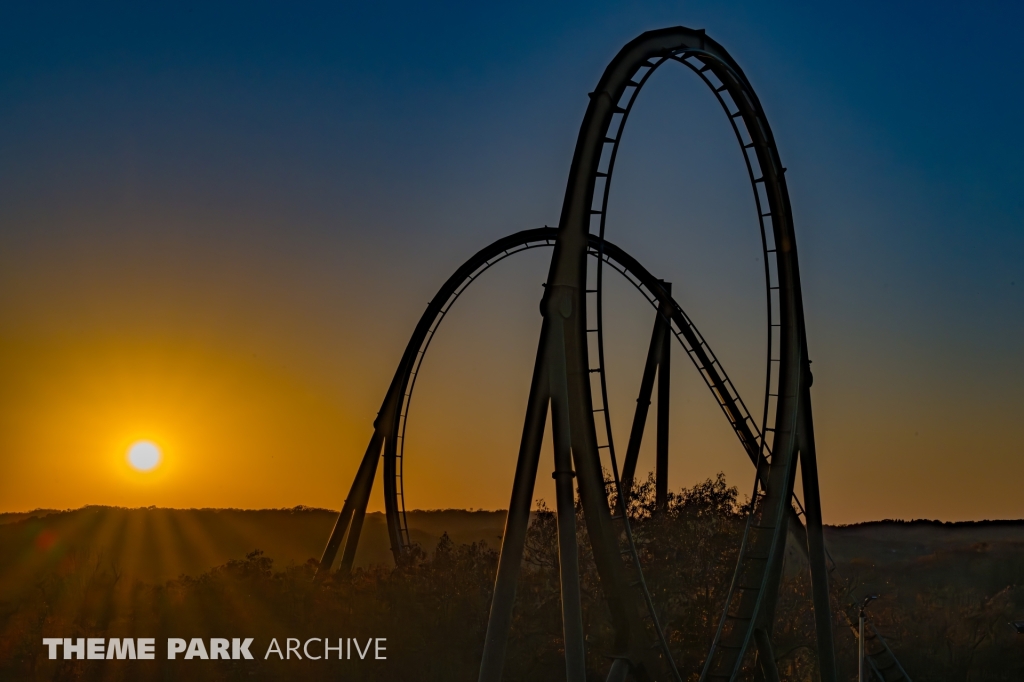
{"points": [[569, 379]]}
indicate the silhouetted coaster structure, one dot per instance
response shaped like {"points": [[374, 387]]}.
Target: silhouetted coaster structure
{"points": [[569, 381]]}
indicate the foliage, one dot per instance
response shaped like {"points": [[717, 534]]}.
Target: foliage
{"points": [[433, 609]]}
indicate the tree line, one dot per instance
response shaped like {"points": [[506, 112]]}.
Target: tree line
{"points": [[433, 609]]}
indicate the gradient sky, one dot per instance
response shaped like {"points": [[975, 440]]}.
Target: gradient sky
{"points": [[218, 227]]}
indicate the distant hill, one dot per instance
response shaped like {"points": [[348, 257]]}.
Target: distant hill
{"points": [[908, 556], [11, 517], [155, 544]]}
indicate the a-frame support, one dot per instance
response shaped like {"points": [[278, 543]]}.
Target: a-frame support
{"points": [[561, 379], [561, 382], [750, 610], [658, 364]]}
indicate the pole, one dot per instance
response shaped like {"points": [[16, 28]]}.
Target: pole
{"points": [[860, 649], [664, 391], [517, 522], [815, 543], [655, 353], [560, 307], [357, 498]]}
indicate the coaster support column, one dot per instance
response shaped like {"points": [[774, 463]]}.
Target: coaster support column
{"points": [[499, 621], [664, 395]]}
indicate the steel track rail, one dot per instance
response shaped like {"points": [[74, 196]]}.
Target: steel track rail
{"points": [[683, 329], [562, 365], [750, 604], [650, 287]]}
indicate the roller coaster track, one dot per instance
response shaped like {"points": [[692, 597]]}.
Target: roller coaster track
{"points": [[653, 291], [562, 380]]}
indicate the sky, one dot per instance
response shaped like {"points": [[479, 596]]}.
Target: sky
{"points": [[219, 224]]}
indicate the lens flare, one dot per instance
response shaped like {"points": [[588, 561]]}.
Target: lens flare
{"points": [[144, 455]]}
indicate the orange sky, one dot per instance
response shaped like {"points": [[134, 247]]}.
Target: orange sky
{"points": [[255, 420], [219, 236]]}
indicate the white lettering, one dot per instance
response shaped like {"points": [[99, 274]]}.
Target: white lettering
{"points": [[147, 649], [328, 648], [275, 648], [219, 648], [78, 648], [174, 646], [242, 651], [94, 648], [196, 648], [143, 648], [52, 643], [362, 654], [120, 649]]}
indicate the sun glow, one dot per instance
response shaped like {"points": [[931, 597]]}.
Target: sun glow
{"points": [[144, 455]]}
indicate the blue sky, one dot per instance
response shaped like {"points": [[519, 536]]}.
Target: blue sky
{"points": [[291, 183]]}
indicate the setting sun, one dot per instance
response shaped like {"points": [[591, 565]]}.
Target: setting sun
{"points": [[144, 455]]}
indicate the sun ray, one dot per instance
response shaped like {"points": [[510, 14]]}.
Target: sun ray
{"points": [[253, 608]]}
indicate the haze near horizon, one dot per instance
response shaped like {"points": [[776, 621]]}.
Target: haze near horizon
{"points": [[221, 225]]}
